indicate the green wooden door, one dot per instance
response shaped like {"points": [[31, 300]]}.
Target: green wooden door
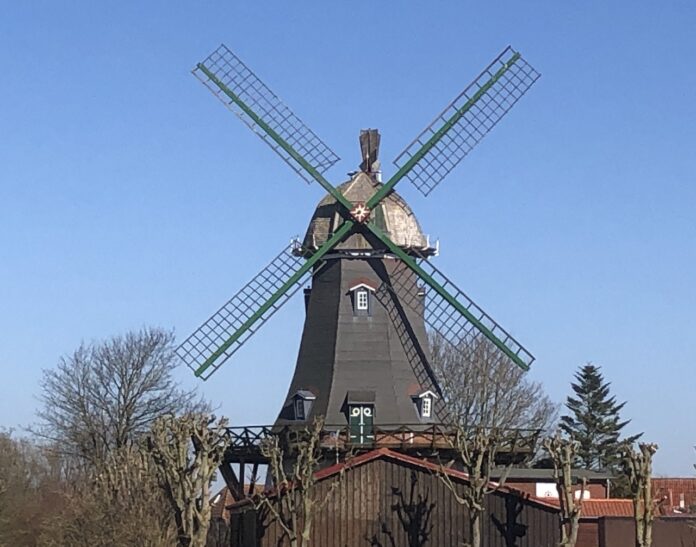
{"points": [[361, 420]]}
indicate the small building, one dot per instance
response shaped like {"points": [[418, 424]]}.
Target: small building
{"points": [[388, 498], [676, 495], [540, 482]]}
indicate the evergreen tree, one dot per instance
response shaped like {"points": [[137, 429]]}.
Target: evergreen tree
{"points": [[594, 420]]}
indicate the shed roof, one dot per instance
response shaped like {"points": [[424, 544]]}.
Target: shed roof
{"points": [[387, 454]]}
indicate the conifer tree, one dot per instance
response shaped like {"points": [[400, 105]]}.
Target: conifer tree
{"points": [[593, 420]]}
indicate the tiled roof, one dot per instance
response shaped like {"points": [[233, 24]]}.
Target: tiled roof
{"points": [[674, 491], [224, 498], [607, 508], [610, 507], [220, 502]]}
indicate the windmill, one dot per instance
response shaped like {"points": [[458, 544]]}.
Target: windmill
{"points": [[364, 354]]}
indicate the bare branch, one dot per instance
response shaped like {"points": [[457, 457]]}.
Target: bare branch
{"points": [[482, 388], [106, 395]]}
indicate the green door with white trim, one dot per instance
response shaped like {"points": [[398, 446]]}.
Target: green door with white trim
{"points": [[361, 420]]}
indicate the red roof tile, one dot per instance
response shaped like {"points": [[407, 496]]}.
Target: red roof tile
{"points": [[674, 493], [609, 507]]}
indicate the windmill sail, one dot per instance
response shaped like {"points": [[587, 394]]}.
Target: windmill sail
{"points": [[233, 83], [465, 121], [457, 328], [229, 327]]}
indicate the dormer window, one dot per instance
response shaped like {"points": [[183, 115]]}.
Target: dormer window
{"points": [[302, 402], [361, 292], [362, 300], [426, 407], [424, 404], [299, 409]]}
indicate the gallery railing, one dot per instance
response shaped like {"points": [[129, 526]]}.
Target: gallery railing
{"points": [[246, 442]]}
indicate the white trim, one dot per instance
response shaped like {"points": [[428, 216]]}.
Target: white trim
{"points": [[427, 407], [362, 286], [298, 395], [428, 393], [362, 300]]}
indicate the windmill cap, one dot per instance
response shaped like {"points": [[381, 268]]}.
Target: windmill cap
{"points": [[392, 214]]}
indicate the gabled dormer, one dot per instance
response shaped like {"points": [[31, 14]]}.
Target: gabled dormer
{"points": [[361, 293], [424, 404], [302, 402]]}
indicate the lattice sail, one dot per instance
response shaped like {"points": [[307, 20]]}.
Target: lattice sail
{"points": [[233, 83], [466, 120], [225, 332], [422, 369], [449, 322]]}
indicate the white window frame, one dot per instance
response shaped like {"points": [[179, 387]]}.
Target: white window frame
{"points": [[362, 300], [299, 409], [426, 407]]}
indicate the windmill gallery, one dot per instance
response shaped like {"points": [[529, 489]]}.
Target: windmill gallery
{"points": [[373, 302]]}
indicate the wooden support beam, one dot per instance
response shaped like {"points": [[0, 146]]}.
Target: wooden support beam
{"points": [[252, 482], [231, 481]]}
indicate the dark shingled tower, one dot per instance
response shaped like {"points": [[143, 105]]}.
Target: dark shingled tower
{"points": [[375, 356]]}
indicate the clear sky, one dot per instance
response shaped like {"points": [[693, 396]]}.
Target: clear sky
{"points": [[129, 196]]}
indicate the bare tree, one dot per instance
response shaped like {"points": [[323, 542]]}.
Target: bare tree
{"points": [[482, 387], [563, 454], [637, 465], [295, 501], [105, 395], [476, 450], [120, 504], [29, 491], [187, 451]]}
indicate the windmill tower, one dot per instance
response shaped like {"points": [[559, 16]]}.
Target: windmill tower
{"points": [[363, 362], [364, 354]]}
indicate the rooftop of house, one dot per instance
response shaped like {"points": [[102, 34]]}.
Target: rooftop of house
{"points": [[595, 508], [546, 475]]}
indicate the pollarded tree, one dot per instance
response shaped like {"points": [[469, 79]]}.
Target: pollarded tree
{"points": [[295, 501], [476, 450], [186, 452], [562, 453], [593, 420], [120, 504], [637, 466]]}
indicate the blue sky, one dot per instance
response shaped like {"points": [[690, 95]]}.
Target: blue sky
{"points": [[130, 197]]}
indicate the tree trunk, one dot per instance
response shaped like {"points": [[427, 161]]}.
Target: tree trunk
{"points": [[475, 528], [573, 535]]}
